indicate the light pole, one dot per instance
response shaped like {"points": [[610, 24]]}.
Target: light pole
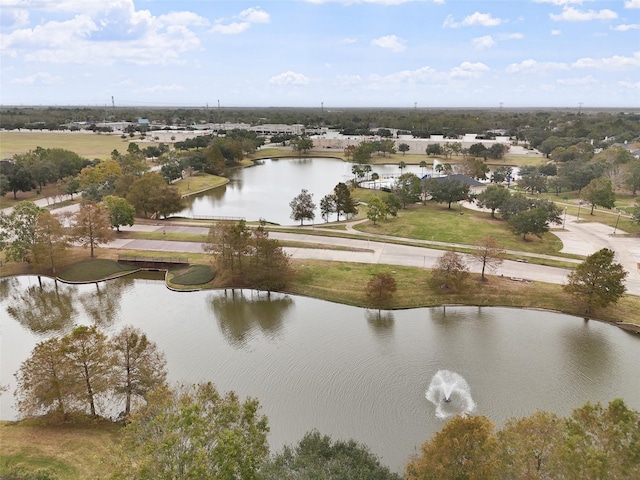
{"points": [[565, 217], [579, 204], [618, 219]]}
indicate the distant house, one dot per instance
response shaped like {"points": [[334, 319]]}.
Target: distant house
{"points": [[475, 186]]}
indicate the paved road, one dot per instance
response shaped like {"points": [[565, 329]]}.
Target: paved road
{"points": [[578, 238]]}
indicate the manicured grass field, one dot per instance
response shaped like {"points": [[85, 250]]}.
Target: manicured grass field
{"points": [[87, 145], [95, 268], [199, 182]]}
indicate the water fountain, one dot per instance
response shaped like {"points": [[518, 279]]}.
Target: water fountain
{"points": [[450, 394]]}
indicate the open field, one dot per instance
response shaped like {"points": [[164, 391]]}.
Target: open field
{"points": [[65, 452], [87, 145]]}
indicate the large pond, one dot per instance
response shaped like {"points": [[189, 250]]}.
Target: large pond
{"points": [[265, 190], [350, 372]]}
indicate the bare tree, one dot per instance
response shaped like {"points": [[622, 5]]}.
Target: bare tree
{"points": [[490, 254], [450, 271]]}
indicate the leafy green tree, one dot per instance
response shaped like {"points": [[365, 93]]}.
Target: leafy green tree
{"points": [[376, 210], [635, 215], [501, 174], [69, 185], [193, 432], [598, 281], [402, 165], [20, 180], [599, 193], [404, 148], [229, 243], [327, 206], [465, 448], [302, 207], [120, 211], [51, 243], [493, 197], [44, 381], [345, 205], [602, 443], [318, 457], [450, 271], [474, 168], [380, 289], [533, 182], [407, 188], [362, 153], [4, 185], [478, 150], [302, 144], [168, 200], [423, 165], [87, 351], [434, 149], [497, 150], [151, 195], [18, 231], [632, 176], [447, 190], [269, 267], [92, 226], [138, 365], [533, 221]]}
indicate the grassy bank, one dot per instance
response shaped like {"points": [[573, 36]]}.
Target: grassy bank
{"points": [[66, 452]]}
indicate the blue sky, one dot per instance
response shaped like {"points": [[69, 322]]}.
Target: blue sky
{"points": [[335, 53]]}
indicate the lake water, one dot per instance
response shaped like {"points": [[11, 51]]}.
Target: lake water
{"points": [[347, 371], [265, 190]]}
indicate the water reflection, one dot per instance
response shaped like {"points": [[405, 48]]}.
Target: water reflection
{"points": [[587, 348], [240, 314], [102, 305], [379, 320], [44, 307]]}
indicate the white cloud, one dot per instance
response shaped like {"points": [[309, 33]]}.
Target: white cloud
{"points": [[254, 15], [614, 63], [632, 85], [561, 3], [419, 75], [532, 66], [40, 78], [378, 2], [588, 80], [104, 33], [289, 78], [626, 27], [348, 80], [469, 70], [391, 42], [514, 36], [160, 89], [13, 18], [474, 20], [632, 4], [246, 18], [483, 42], [556, 32], [570, 14]]}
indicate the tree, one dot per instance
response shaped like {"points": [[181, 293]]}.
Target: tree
{"points": [[377, 210], [88, 354], [632, 176], [18, 231], [380, 289], [44, 381], [450, 271], [402, 165], [20, 180], [404, 148], [489, 253], [344, 203], [474, 168], [92, 226], [269, 267], [465, 448], [636, 211], [139, 366], [168, 200], [302, 144], [529, 446], [493, 197], [422, 165], [4, 185], [602, 442], [318, 457], [533, 182], [447, 190], [193, 432], [120, 211], [51, 244], [69, 185], [598, 281], [229, 243], [478, 150], [434, 149], [144, 193], [302, 207], [327, 206], [407, 188], [599, 193], [533, 221]]}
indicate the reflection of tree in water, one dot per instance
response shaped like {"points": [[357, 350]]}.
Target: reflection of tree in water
{"points": [[379, 320], [239, 315], [8, 285], [447, 315], [589, 350], [43, 308], [102, 304]]}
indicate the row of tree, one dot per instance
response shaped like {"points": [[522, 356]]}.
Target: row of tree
{"points": [[82, 371]]}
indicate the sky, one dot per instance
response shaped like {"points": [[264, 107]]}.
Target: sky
{"points": [[321, 53]]}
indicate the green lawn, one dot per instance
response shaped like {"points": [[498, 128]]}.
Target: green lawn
{"points": [[199, 182], [94, 269]]}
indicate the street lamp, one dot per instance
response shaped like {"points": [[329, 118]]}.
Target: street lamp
{"points": [[579, 204], [565, 217], [616, 227]]}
